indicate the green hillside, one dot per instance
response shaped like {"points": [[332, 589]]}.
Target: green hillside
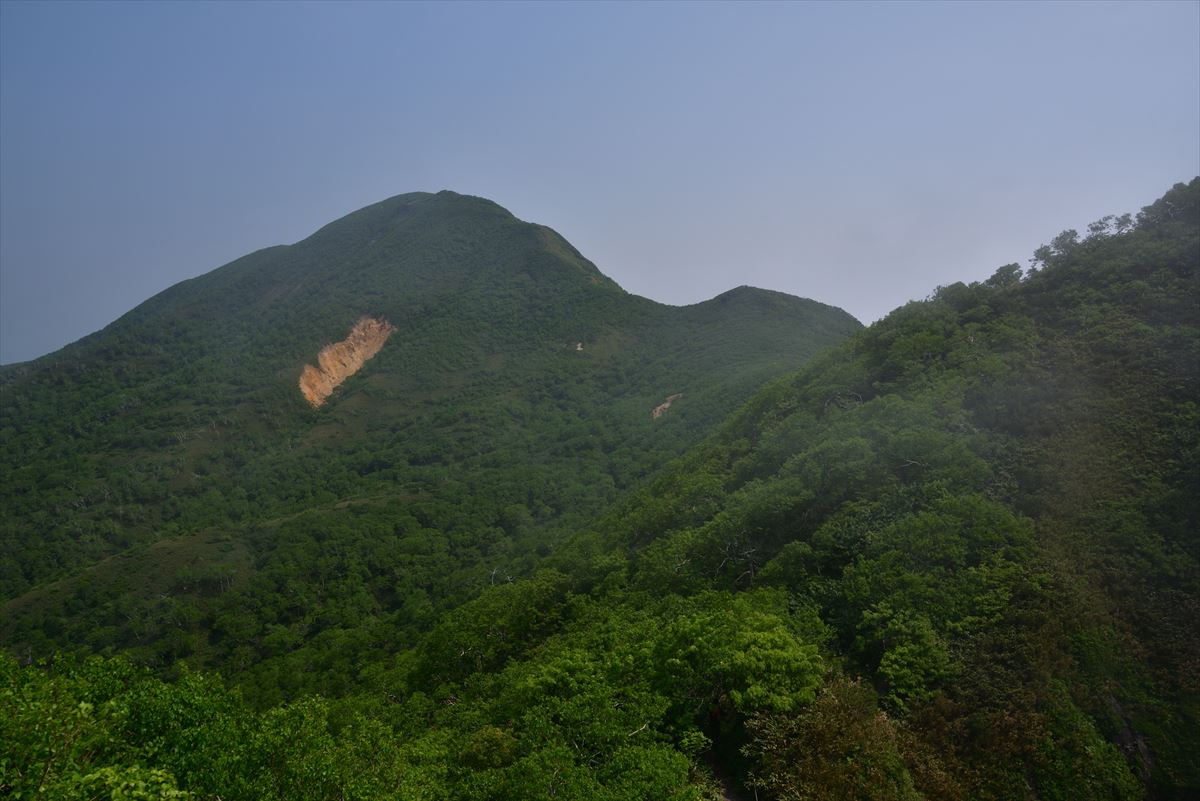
{"points": [[168, 493], [984, 511], [953, 557]]}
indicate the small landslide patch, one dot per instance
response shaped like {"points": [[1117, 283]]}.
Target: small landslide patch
{"points": [[661, 408], [339, 361]]}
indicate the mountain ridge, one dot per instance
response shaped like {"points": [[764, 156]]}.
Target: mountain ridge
{"points": [[483, 306], [951, 557]]}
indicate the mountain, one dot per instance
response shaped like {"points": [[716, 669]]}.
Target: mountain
{"points": [[984, 510], [482, 389], [953, 557]]}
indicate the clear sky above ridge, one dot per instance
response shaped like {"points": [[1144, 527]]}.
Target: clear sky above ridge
{"points": [[859, 154]]}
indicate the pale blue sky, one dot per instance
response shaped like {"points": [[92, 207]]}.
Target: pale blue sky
{"points": [[856, 153]]}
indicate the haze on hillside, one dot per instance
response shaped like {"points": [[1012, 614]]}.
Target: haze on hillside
{"points": [[859, 154], [547, 539]]}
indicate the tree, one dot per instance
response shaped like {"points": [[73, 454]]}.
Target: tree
{"points": [[838, 748]]}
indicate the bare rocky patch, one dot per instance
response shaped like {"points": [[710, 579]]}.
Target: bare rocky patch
{"points": [[661, 408], [339, 361]]}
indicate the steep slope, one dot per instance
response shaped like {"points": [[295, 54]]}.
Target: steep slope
{"points": [[502, 393], [339, 361], [985, 509], [955, 557]]}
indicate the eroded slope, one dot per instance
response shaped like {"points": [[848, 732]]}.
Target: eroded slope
{"points": [[339, 361]]}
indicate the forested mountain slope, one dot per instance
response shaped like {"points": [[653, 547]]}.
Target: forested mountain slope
{"points": [[986, 509], [954, 557], [168, 491]]}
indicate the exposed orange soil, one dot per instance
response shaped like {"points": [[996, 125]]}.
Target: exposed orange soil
{"points": [[662, 407], [339, 361]]}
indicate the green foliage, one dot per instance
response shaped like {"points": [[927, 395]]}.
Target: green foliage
{"points": [[1074, 761], [945, 572], [104, 729], [952, 558], [839, 747], [129, 783], [966, 483], [737, 652], [479, 635], [195, 508]]}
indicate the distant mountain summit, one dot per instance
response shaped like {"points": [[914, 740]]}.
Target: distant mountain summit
{"points": [[424, 338]]}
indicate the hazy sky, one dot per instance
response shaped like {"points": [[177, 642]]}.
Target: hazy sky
{"points": [[856, 153]]}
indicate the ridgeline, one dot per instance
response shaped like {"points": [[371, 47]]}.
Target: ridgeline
{"points": [[950, 556]]}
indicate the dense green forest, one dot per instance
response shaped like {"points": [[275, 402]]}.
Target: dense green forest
{"points": [[170, 495], [954, 556]]}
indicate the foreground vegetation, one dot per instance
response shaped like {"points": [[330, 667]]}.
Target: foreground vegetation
{"points": [[954, 557]]}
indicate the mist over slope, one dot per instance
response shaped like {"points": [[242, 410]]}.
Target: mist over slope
{"points": [[954, 556]]}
